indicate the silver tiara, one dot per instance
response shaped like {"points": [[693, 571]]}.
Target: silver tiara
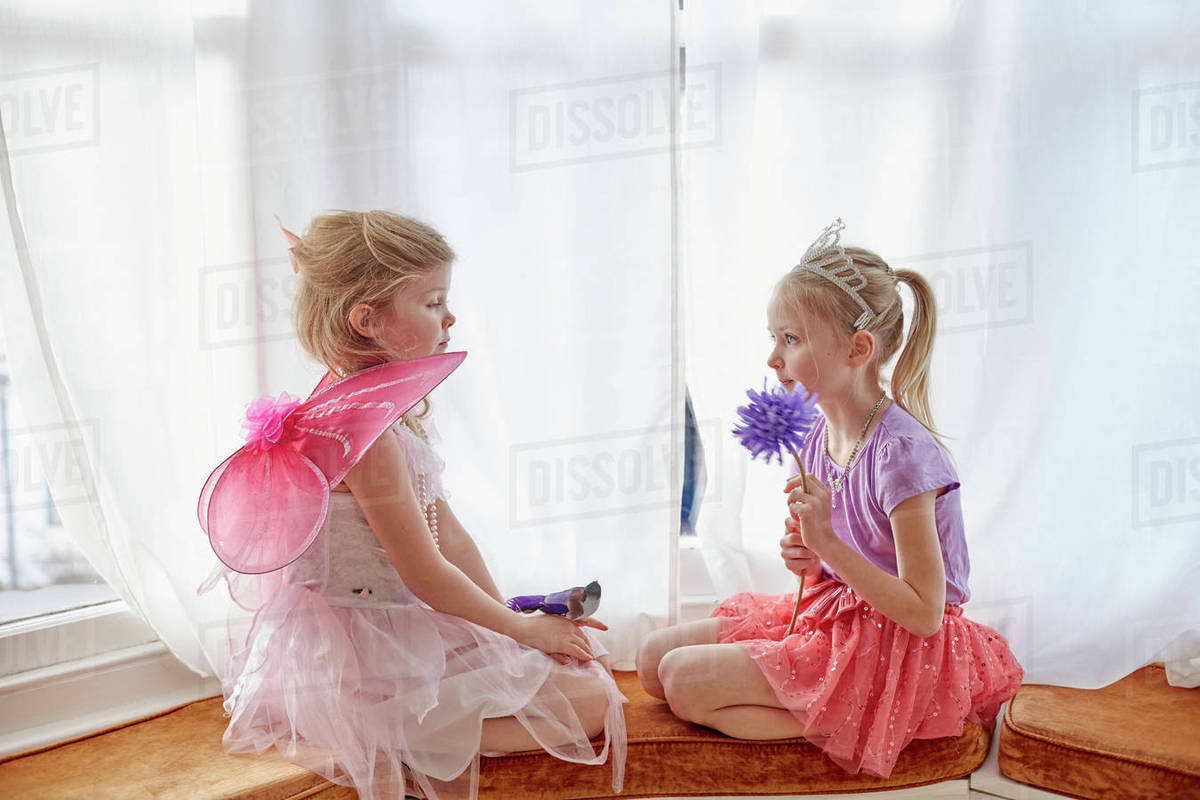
{"points": [[848, 276]]}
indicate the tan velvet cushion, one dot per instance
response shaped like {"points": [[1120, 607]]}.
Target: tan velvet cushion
{"points": [[178, 754], [1136, 738], [670, 757], [175, 755]]}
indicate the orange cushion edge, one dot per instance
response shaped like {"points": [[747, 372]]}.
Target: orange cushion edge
{"points": [[53, 745], [1075, 750], [498, 781], [1015, 728], [1023, 776]]}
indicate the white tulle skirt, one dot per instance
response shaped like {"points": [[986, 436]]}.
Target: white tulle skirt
{"points": [[370, 696]]}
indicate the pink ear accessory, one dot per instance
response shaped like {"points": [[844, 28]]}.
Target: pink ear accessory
{"points": [[265, 504], [292, 240]]}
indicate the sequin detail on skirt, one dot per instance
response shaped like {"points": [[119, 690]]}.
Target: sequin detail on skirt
{"points": [[864, 686]]}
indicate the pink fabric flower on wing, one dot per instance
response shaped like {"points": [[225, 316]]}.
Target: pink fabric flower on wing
{"points": [[266, 420]]}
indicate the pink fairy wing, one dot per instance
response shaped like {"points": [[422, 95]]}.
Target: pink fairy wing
{"points": [[262, 509], [338, 422], [207, 491], [265, 508], [325, 381]]}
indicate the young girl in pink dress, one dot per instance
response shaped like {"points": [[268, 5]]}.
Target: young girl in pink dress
{"points": [[381, 654], [881, 653]]}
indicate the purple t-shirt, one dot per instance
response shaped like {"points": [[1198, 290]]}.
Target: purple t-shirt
{"points": [[899, 460]]}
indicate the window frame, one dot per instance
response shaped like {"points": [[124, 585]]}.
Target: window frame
{"points": [[83, 670]]}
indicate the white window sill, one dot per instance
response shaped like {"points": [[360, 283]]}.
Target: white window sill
{"points": [[69, 674]]}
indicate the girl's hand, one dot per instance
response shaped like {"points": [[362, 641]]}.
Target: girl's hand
{"points": [[795, 555], [587, 621], [811, 510], [557, 636], [591, 623]]}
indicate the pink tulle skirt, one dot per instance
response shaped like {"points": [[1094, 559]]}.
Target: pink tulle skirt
{"points": [[862, 685], [382, 698]]}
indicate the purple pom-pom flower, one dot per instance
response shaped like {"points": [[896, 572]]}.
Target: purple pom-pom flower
{"points": [[773, 422], [776, 421]]}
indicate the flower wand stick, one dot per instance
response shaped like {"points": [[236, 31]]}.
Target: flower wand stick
{"points": [[774, 421], [796, 611]]}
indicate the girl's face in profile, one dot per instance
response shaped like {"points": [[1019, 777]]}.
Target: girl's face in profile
{"points": [[416, 323], [801, 348]]}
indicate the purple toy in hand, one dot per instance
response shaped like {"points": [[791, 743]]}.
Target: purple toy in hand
{"points": [[574, 603]]}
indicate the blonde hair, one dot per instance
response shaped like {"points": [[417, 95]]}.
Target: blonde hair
{"points": [[347, 258], [806, 290], [351, 257]]}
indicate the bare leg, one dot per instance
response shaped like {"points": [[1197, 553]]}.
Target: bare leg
{"points": [[587, 696], [661, 642], [720, 686]]}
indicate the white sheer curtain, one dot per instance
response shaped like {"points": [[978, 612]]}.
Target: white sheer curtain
{"points": [[144, 286], [1037, 162]]}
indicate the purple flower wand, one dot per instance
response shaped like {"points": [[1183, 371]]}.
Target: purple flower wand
{"points": [[775, 421]]}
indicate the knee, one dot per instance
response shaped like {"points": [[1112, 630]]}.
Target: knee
{"points": [[677, 676], [588, 695], [591, 706], [649, 654]]}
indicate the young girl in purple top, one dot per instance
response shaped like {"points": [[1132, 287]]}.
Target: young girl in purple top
{"points": [[881, 653]]}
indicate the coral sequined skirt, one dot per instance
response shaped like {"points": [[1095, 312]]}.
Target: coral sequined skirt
{"points": [[861, 684]]}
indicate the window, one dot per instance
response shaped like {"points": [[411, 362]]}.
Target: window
{"points": [[73, 657], [42, 571]]}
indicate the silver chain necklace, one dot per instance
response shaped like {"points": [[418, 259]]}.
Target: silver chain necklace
{"points": [[836, 482]]}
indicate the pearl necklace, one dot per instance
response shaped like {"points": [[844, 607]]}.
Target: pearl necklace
{"points": [[836, 482], [428, 508]]}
